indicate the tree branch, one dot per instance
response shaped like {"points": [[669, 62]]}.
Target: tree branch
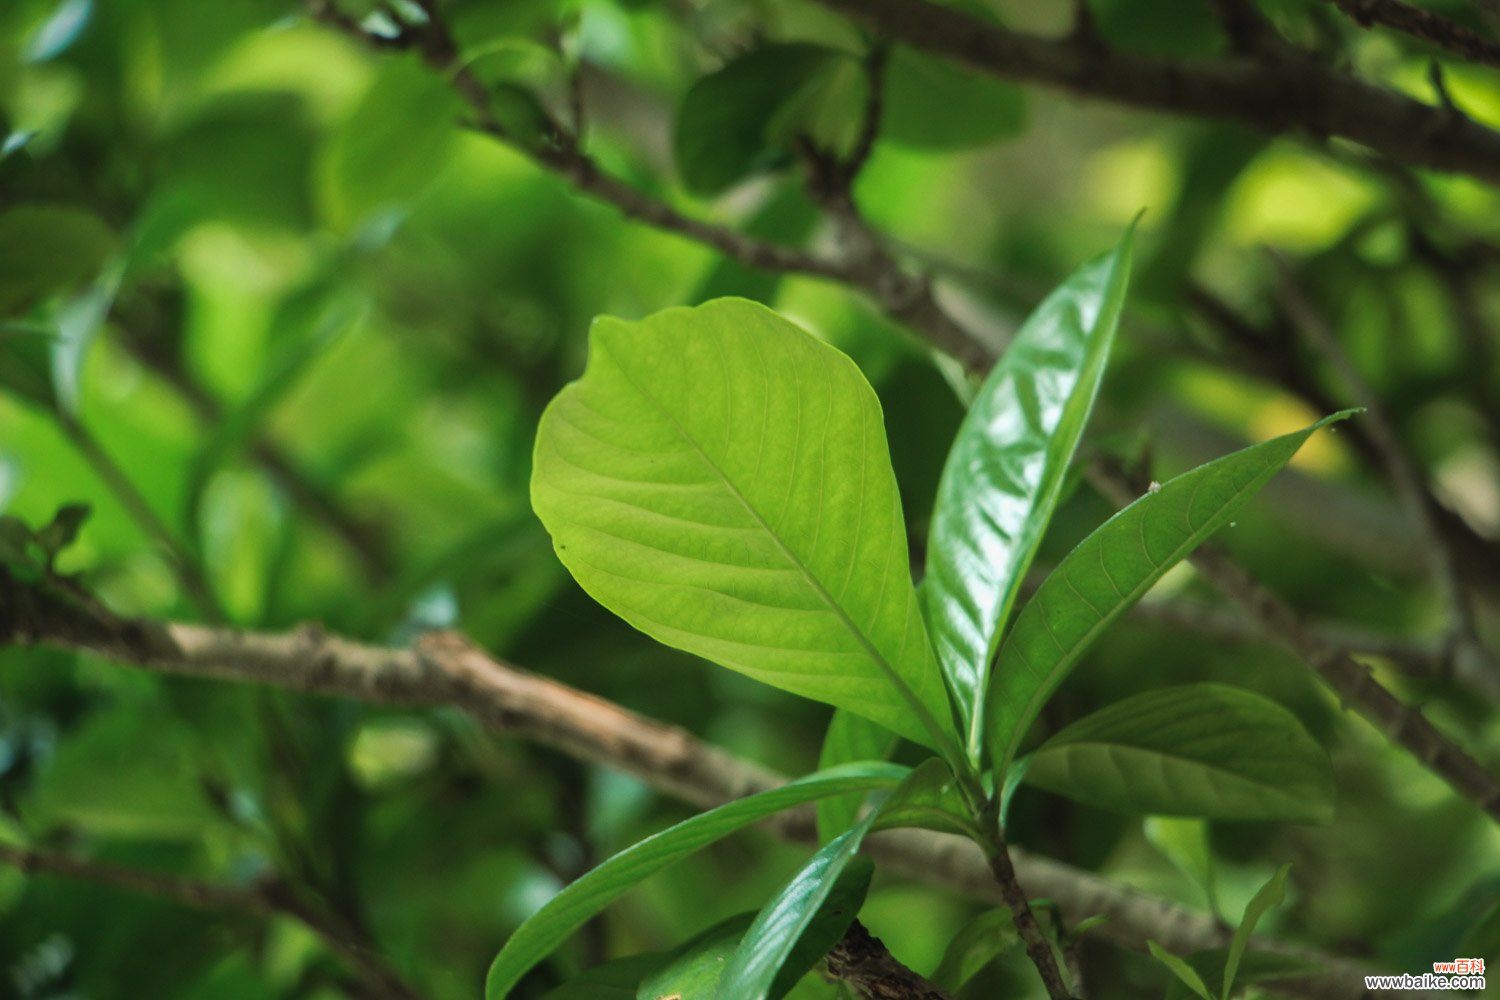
{"points": [[1289, 94], [444, 669], [265, 898], [863, 962], [1424, 25]]}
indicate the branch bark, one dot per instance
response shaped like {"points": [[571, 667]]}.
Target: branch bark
{"points": [[1424, 25]]}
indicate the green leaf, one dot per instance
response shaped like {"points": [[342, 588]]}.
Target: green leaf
{"points": [[929, 798], [719, 478], [768, 943], [1196, 750], [616, 980], [63, 529], [1113, 568], [977, 944], [47, 249], [1271, 894], [391, 147], [27, 367], [1258, 966], [693, 971], [1183, 971], [576, 904], [1005, 473], [932, 104], [726, 128], [1184, 842], [849, 738]]}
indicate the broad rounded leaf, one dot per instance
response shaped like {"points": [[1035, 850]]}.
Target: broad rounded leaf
{"points": [[977, 944], [1198, 750], [725, 129], [1110, 570], [576, 904], [1005, 473], [719, 478], [48, 249]]}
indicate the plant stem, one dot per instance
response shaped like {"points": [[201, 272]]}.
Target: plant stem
{"points": [[1038, 948], [186, 566]]}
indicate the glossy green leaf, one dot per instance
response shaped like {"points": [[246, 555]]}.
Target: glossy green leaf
{"points": [[929, 798], [725, 129], [977, 944], [849, 738], [1005, 473], [753, 970], [1270, 895], [572, 908], [719, 478], [931, 103], [693, 971], [1113, 568], [1184, 972], [1196, 750]]}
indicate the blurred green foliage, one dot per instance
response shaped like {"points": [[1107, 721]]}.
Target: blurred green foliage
{"points": [[273, 278]]}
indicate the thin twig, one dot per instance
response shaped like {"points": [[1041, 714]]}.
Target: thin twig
{"points": [[1038, 948], [1424, 25], [264, 898], [1294, 93]]}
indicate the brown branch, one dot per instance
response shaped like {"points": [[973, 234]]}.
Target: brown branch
{"points": [[1038, 948], [1424, 25], [1291, 93], [446, 670], [862, 961], [265, 898]]}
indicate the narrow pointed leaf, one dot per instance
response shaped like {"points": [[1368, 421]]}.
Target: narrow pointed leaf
{"points": [[1183, 971], [849, 738], [1110, 570], [576, 904], [753, 970], [1196, 750], [719, 478], [1005, 473], [693, 971], [1270, 895]]}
